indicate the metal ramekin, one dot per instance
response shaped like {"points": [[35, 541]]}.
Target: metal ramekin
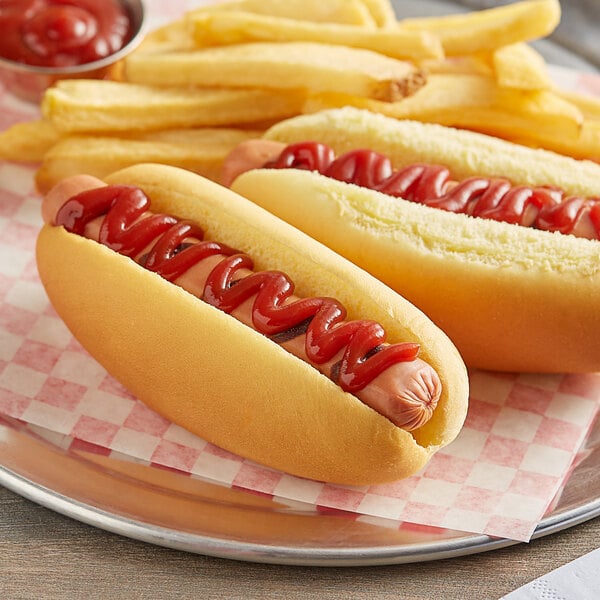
{"points": [[29, 82]]}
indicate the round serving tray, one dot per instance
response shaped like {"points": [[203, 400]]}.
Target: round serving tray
{"points": [[176, 511]]}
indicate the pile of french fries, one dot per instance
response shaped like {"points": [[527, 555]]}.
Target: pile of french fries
{"points": [[223, 73]]}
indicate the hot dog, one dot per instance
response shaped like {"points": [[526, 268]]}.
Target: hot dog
{"points": [[212, 341], [519, 295]]}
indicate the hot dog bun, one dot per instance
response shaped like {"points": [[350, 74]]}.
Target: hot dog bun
{"points": [[511, 298], [218, 378]]}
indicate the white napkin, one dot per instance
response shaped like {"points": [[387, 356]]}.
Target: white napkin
{"points": [[577, 580]]}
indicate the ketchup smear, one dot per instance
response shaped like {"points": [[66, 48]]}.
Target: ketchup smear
{"points": [[62, 33], [178, 245], [490, 198]]}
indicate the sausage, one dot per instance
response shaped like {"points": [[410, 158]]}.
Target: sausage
{"points": [[406, 393], [251, 154]]}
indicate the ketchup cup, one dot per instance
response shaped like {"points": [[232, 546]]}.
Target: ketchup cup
{"points": [[29, 81]]}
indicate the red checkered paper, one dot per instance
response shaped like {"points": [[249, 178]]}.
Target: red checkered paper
{"points": [[521, 435], [520, 440]]}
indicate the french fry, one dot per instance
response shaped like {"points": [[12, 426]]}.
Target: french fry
{"points": [[239, 27], [587, 144], [289, 65], [382, 12], [176, 35], [28, 141], [585, 147], [520, 66], [198, 150], [349, 12], [369, 13], [588, 105], [475, 102], [85, 105], [472, 64], [491, 28]]}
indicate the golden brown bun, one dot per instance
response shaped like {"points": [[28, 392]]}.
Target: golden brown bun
{"points": [[511, 298], [220, 379]]}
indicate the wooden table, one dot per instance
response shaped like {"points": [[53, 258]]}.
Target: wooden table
{"points": [[44, 555]]}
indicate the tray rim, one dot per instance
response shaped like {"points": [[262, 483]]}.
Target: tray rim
{"points": [[258, 552]]}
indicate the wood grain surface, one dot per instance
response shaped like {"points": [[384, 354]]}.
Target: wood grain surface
{"points": [[44, 555]]}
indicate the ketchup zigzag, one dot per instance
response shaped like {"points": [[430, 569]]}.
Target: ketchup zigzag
{"points": [[490, 198], [176, 246]]}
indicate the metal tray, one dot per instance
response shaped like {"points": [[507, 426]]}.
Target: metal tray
{"points": [[193, 515], [172, 510]]}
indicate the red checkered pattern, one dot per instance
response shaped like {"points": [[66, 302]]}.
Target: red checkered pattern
{"points": [[520, 438], [499, 477]]}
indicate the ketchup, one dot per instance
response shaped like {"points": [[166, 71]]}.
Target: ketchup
{"points": [[491, 198], [179, 245], [62, 33]]}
